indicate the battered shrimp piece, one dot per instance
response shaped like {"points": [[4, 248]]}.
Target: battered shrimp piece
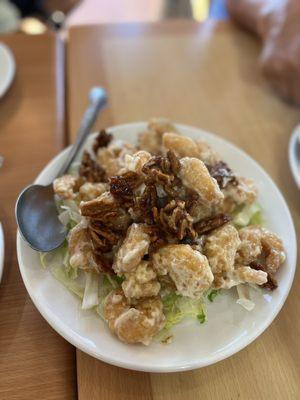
{"points": [[242, 193], [200, 210], [141, 283], [161, 125], [188, 268], [258, 242], [151, 139], [206, 153], [111, 158], [250, 247], [81, 248], [132, 250], [195, 175], [249, 275], [240, 275], [89, 190], [274, 251], [135, 162], [221, 247], [183, 146], [65, 187], [133, 323]]}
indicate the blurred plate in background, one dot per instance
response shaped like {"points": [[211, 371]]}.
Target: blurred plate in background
{"points": [[7, 68], [294, 154]]}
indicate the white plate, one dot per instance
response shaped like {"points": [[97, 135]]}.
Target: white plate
{"points": [[294, 154], [229, 328], [1, 251], [7, 68]]}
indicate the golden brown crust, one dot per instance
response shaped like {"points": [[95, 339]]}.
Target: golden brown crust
{"points": [[134, 323], [188, 268], [195, 175]]}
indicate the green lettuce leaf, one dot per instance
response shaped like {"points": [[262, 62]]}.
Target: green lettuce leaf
{"points": [[73, 285], [177, 307], [250, 214], [68, 213], [212, 295], [91, 291]]}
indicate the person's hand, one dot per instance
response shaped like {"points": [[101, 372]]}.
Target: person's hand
{"points": [[278, 25]]}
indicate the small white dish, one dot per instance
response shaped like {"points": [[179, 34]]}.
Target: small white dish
{"points": [[7, 68], [1, 251], [294, 155], [229, 328]]}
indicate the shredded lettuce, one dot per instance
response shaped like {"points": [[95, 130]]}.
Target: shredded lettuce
{"points": [[244, 299], [201, 317], [106, 285], [73, 285], [250, 214], [54, 258], [59, 258], [68, 213], [91, 295], [212, 295], [92, 288], [74, 169], [58, 263], [177, 307]]}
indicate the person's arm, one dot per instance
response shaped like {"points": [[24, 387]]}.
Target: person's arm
{"points": [[277, 23]]}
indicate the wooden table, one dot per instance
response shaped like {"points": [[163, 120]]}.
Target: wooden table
{"points": [[35, 362], [207, 76]]}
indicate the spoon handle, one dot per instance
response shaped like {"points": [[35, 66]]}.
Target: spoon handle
{"points": [[98, 100]]}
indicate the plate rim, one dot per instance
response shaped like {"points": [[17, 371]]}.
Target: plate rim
{"points": [[50, 317], [12, 69], [291, 153]]}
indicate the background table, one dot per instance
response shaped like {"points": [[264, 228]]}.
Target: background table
{"points": [[35, 363], [207, 76]]}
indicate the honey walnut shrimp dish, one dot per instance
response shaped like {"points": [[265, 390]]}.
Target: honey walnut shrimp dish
{"points": [[157, 229]]}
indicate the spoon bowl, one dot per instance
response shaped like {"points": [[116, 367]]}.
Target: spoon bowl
{"points": [[36, 210], [37, 218]]}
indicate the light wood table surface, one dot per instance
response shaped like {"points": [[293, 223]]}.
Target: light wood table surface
{"points": [[206, 76], [35, 362]]}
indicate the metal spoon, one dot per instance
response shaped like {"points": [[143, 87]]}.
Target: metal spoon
{"points": [[36, 211]]}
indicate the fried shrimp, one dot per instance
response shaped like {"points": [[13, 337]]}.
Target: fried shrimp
{"points": [[242, 193], [89, 190], [221, 247], [183, 146], [65, 187], [188, 268], [132, 250], [259, 242], [141, 283], [135, 162], [133, 323], [240, 275], [151, 139], [195, 175], [111, 158], [81, 248]]}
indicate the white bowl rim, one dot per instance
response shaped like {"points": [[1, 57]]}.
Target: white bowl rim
{"points": [[11, 71], [64, 331], [294, 161]]}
